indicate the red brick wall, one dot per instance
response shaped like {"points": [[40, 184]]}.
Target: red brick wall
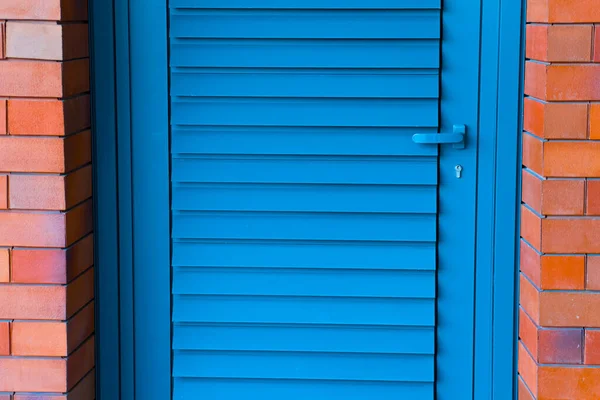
{"points": [[46, 244], [559, 346]]}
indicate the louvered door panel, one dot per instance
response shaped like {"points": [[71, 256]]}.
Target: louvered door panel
{"points": [[304, 219]]}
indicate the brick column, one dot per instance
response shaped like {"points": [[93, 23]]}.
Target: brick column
{"points": [[46, 244], [559, 333]]}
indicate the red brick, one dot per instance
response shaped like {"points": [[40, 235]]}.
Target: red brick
{"points": [[50, 192], [570, 235], [2, 39], [58, 155], [592, 347], [84, 390], [528, 333], [530, 299], [4, 265], [569, 309], [553, 196], [563, 11], [57, 266], [562, 82], [571, 159], [560, 346], [46, 302], [48, 116], [561, 43], [46, 41], [531, 227], [524, 393], [44, 78], [593, 197], [593, 273], [3, 119], [57, 10], [35, 229], [3, 192], [596, 43], [595, 120], [531, 263], [58, 375], [555, 120], [4, 338], [533, 153], [52, 339]]}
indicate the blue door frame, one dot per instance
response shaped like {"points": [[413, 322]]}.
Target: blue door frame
{"points": [[128, 35]]}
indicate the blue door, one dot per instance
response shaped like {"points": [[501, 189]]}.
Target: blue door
{"points": [[322, 239]]}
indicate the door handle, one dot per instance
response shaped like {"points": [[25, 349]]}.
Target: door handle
{"points": [[456, 138]]}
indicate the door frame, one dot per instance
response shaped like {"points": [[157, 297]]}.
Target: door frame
{"points": [[127, 35]]}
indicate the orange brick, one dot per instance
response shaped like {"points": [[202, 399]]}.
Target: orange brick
{"points": [[46, 41], [3, 192], [50, 192], [568, 383], [57, 266], [595, 119], [593, 273], [570, 235], [56, 10], [44, 78], [4, 338], [563, 11], [35, 229], [592, 346], [531, 227], [58, 155], [559, 43], [52, 339], [569, 309], [48, 117], [563, 272], [553, 196], [46, 302], [4, 265], [571, 159], [555, 120], [562, 82], [528, 369], [3, 119], [533, 153]]}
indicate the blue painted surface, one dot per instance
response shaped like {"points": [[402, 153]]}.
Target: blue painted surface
{"points": [[304, 218]]}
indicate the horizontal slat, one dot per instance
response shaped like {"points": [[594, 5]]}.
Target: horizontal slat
{"points": [[304, 112], [304, 226], [298, 83], [305, 53], [277, 389], [309, 338], [288, 254], [300, 24], [304, 282], [304, 310], [278, 365], [340, 170], [307, 4], [298, 140], [321, 198]]}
